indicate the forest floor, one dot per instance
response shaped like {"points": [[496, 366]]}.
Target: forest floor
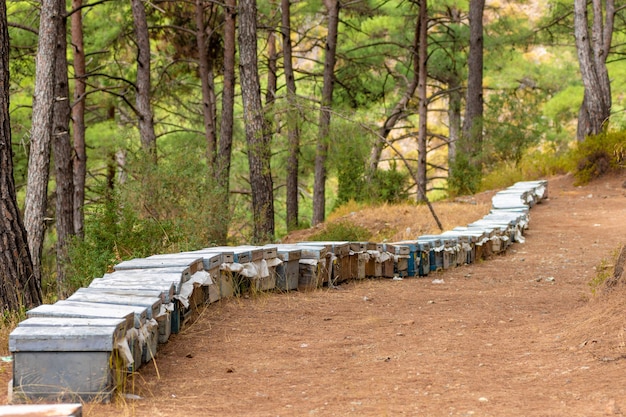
{"points": [[520, 334]]}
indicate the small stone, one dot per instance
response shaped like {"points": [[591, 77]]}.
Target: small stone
{"points": [[438, 281], [483, 399], [550, 279]]}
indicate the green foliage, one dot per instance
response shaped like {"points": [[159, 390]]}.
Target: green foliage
{"points": [[389, 185], [513, 124], [167, 208], [534, 165], [464, 176], [599, 154], [341, 231]]}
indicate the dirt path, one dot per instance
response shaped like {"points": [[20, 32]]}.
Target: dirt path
{"points": [[518, 335]]}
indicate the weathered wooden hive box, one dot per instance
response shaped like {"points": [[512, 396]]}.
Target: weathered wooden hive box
{"points": [[150, 331], [436, 250], [467, 246], [155, 278], [373, 268], [211, 262], [42, 410], [225, 285], [313, 266], [266, 259], [358, 259], [426, 251], [499, 233], [479, 239], [413, 257], [288, 272], [164, 290], [188, 293], [340, 261], [68, 359], [399, 259], [538, 188], [187, 267]]}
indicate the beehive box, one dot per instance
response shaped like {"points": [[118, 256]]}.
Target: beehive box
{"points": [[313, 269], [413, 257], [373, 269], [436, 250], [358, 259], [137, 340], [407, 261], [42, 410], [79, 362], [389, 267], [401, 256], [164, 290], [288, 272], [186, 266], [266, 260], [225, 287], [156, 278], [339, 262], [151, 304]]}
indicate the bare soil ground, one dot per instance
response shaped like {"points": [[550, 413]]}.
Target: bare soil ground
{"points": [[518, 335]]}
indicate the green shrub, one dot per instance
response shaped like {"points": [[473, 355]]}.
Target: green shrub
{"points": [[598, 155], [341, 231], [465, 177]]}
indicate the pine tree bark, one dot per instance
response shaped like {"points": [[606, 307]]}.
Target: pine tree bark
{"points": [[422, 136], [79, 162], [293, 124], [257, 134], [323, 139], [206, 80], [225, 141], [473, 122], [41, 132], [593, 48], [142, 101], [272, 58], [62, 151], [19, 286]]}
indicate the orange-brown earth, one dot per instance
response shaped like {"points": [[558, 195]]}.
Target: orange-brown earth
{"points": [[521, 334]]}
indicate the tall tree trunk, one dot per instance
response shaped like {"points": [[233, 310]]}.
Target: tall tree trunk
{"points": [[142, 101], [399, 111], [422, 137], [272, 58], [62, 151], [323, 139], [593, 50], [78, 118], [41, 132], [222, 172], [257, 135], [206, 80], [454, 119], [18, 283], [473, 123], [293, 125]]}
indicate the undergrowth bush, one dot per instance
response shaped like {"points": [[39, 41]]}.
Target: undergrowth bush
{"points": [[534, 165], [170, 207], [341, 231], [598, 155]]}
